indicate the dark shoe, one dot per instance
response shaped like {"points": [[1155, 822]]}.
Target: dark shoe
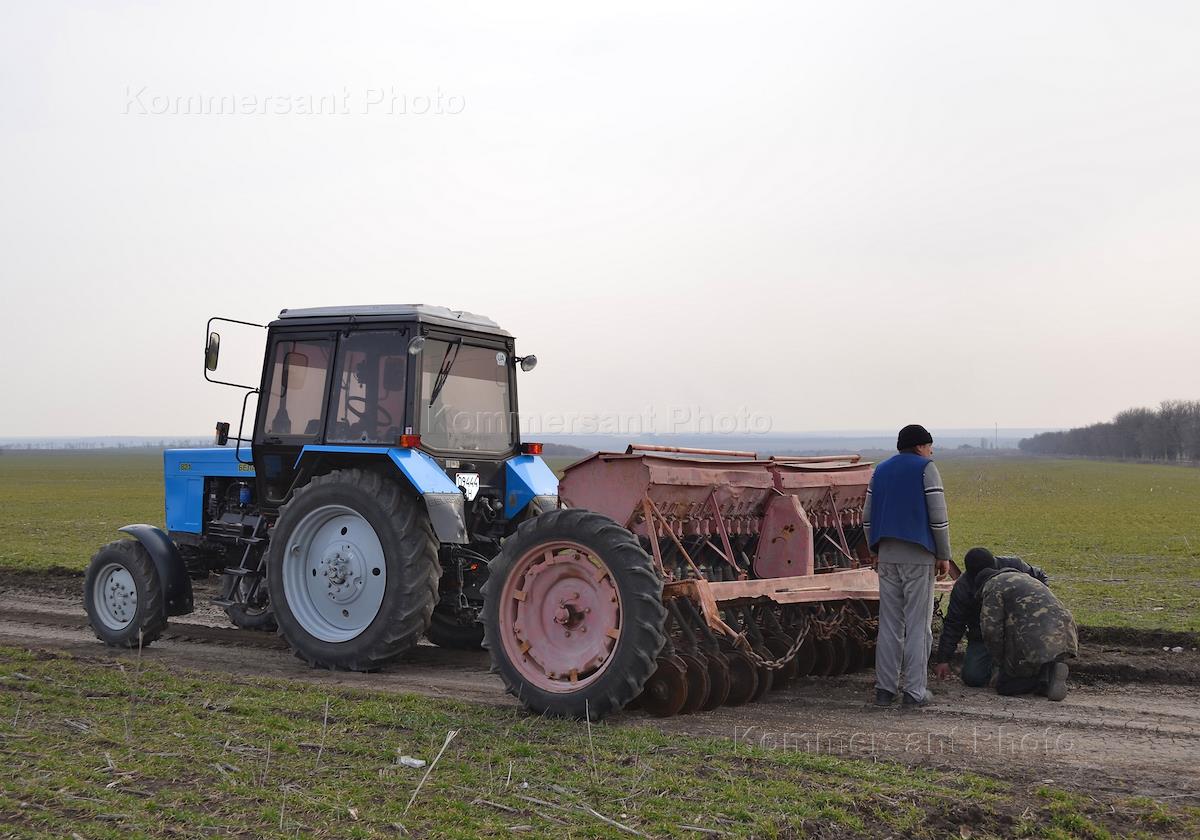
{"points": [[919, 702], [1056, 687], [883, 697]]}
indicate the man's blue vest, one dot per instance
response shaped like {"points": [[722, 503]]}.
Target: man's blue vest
{"points": [[898, 509]]}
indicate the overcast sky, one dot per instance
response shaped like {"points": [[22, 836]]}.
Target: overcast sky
{"points": [[829, 216]]}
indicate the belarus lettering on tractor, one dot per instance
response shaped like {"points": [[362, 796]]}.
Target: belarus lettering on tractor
{"points": [[383, 494]]}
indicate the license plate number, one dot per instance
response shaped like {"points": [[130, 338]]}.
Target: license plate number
{"points": [[469, 482]]}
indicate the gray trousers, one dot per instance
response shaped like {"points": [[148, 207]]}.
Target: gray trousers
{"points": [[905, 623]]}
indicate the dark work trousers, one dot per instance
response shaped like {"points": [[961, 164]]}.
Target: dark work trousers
{"points": [[1009, 685], [977, 664]]}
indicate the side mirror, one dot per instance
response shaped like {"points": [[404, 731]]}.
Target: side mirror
{"points": [[222, 436], [528, 363], [212, 351], [295, 370]]}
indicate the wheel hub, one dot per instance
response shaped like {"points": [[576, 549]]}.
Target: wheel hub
{"points": [[115, 596], [344, 572], [335, 573], [566, 616]]}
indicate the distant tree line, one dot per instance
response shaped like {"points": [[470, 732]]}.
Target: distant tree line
{"points": [[90, 444], [1169, 433]]}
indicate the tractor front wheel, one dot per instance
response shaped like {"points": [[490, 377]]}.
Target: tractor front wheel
{"points": [[352, 570], [250, 609], [573, 615], [450, 629], [123, 595]]}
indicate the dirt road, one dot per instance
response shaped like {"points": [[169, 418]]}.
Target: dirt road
{"points": [[1113, 737]]}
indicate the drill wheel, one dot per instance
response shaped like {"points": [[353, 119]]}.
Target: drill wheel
{"points": [[743, 678], [822, 658], [718, 681], [766, 677], [840, 660], [698, 683], [779, 645], [666, 692]]}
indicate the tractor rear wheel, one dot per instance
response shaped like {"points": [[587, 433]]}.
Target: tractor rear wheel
{"points": [[123, 595], [353, 571], [573, 615]]}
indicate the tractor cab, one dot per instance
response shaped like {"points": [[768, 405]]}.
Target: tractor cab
{"points": [[341, 383]]}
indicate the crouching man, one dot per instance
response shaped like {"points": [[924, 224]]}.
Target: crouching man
{"points": [[962, 617], [1028, 633]]}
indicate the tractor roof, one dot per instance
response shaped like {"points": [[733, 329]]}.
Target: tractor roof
{"points": [[418, 312]]}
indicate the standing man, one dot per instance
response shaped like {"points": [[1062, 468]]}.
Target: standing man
{"points": [[963, 617], [908, 529]]}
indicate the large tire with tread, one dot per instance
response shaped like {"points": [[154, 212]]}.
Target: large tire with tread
{"points": [[446, 631], [245, 616], [123, 596], [392, 539], [555, 555]]}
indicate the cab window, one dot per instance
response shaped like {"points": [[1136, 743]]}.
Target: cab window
{"points": [[367, 404], [299, 369]]}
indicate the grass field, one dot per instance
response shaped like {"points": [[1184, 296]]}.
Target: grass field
{"points": [[104, 749], [1122, 541]]}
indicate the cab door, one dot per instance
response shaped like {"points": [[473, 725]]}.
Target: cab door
{"points": [[291, 408]]}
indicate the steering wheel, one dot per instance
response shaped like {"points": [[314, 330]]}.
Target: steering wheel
{"points": [[382, 415]]}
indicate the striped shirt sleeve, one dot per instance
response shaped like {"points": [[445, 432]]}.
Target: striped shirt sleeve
{"points": [[867, 512], [939, 517]]}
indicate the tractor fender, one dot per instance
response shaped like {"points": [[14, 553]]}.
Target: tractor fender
{"points": [[443, 500], [527, 479], [172, 573]]}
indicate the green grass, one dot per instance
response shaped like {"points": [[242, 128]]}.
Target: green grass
{"points": [[119, 749], [1122, 541], [57, 508]]}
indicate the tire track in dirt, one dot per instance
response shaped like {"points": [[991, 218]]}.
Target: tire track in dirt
{"points": [[1113, 737]]}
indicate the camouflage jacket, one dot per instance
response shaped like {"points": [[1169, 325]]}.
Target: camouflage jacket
{"points": [[1023, 624], [962, 613]]}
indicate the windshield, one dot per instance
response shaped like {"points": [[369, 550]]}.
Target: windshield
{"points": [[465, 402]]}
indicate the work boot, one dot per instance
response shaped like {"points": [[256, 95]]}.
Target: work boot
{"points": [[918, 702], [1056, 685], [883, 697]]}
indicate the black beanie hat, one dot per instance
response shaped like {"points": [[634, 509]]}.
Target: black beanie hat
{"points": [[911, 436], [978, 559]]}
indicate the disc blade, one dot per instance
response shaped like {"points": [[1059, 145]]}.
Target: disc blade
{"points": [[697, 683], [666, 691]]}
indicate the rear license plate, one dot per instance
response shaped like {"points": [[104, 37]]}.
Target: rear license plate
{"points": [[469, 482]]}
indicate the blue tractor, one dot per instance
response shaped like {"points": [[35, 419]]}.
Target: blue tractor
{"points": [[361, 510]]}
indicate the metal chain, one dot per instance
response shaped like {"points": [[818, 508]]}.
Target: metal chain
{"points": [[939, 617], [863, 630], [937, 607], [773, 664], [827, 628]]}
